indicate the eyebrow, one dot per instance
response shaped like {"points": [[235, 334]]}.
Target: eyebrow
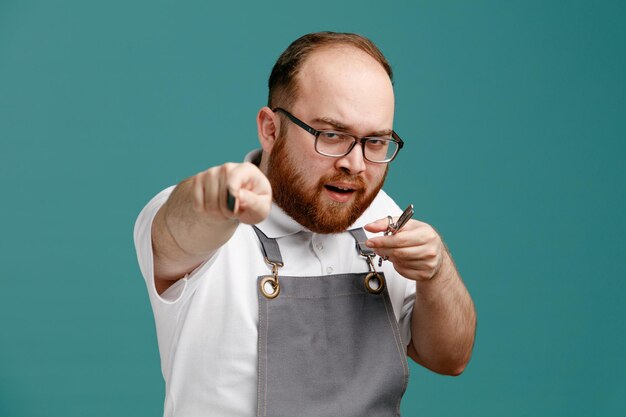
{"points": [[340, 126]]}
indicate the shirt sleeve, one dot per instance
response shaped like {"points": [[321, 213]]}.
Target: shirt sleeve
{"points": [[171, 304], [406, 315], [143, 245]]}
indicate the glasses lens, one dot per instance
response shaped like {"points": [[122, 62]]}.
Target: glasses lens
{"points": [[333, 143], [337, 144], [380, 149]]}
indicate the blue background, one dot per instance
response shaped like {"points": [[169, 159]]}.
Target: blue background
{"points": [[514, 118]]}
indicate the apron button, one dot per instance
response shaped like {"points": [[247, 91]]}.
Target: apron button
{"points": [[329, 270]]}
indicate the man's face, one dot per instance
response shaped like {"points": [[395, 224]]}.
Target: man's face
{"points": [[344, 89]]}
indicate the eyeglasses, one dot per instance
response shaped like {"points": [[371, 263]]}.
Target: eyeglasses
{"points": [[338, 144]]}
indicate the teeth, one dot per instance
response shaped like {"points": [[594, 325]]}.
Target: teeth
{"points": [[341, 189]]}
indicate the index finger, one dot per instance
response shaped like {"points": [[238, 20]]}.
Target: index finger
{"points": [[408, 236], [378, 226]]}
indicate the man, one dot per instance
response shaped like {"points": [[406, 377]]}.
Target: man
{"points": [[292, 316]]}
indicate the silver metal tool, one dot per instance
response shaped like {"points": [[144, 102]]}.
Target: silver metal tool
{"points": [[394, 228], [406, 215]]}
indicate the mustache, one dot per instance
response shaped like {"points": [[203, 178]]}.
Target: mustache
{"points": [[355, 180]]}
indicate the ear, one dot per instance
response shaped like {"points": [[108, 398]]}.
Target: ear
{"points": [[268, 125]]}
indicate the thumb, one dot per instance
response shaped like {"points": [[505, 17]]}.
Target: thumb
{"points": [[253, 208]]}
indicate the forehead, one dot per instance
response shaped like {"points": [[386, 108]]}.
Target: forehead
{"points": [[345, 84]]}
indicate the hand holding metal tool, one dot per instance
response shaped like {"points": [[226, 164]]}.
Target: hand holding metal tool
{"points": [[394, 228]]}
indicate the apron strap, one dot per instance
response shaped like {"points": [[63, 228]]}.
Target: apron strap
{"points": [[270, 248], [374, 282], [359, 236]]}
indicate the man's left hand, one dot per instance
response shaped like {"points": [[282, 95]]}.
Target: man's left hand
{"points": [[416, 251]]}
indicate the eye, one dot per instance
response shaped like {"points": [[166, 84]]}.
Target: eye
{"points": [[334, 136], [377, 142]]}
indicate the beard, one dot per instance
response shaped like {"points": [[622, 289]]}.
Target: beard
{"points": [[306, 204]]}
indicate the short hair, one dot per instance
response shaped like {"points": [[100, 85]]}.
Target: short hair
{"points": [[283, 88]]}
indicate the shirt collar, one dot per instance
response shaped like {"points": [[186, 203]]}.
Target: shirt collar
{"points": [[279, 224], [254, 157]]}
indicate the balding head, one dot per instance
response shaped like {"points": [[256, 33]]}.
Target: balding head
{"points": [[283, 81]]}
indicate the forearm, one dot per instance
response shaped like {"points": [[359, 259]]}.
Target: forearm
{"points": [[444, 321], [196, 220], [183, 237]]}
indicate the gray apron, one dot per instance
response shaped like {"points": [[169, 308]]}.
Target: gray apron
{"points": [[328, 345]]}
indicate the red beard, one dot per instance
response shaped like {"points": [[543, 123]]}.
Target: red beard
{"points": [[307, 206]]}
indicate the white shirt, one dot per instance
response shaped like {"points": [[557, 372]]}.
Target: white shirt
{"points": [[207, 322]]}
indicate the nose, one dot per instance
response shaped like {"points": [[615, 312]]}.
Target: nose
{"points": [[352, 163]]}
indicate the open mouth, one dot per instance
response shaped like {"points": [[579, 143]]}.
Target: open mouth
{"points": [[340, 190]]}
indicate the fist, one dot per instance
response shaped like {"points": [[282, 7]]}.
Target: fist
{"points": [[245, 182]]}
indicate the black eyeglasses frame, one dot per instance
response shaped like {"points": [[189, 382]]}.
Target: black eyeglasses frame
{"points": [[362, 140]]}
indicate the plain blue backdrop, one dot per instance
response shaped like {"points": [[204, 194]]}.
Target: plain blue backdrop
{"points": [[513, 113]]}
